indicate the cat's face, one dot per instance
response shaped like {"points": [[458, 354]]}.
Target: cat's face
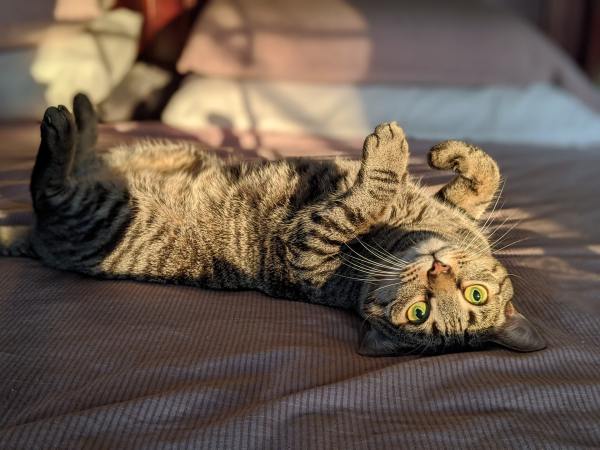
{"points": [[445, 298]]}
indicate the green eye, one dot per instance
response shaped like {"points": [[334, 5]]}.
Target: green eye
{"points": [[417, 313], [476, 294]]}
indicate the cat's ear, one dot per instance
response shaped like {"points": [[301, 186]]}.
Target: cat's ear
{"points": [[517, 333], [375, 343]]}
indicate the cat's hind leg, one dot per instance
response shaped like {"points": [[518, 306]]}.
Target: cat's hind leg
{"points": [[54, 160], [78, 220]]}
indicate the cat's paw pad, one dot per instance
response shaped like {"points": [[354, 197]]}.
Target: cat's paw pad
{"points": [[58, 127], [386, 147]]}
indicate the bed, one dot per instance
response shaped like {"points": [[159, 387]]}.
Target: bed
{"points": [[120, 364], [115, 364]]}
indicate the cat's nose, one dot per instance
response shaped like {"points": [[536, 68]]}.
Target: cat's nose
{"points": [[438, 267]]}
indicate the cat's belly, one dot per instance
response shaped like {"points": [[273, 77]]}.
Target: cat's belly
{"points": [[208, 229]]}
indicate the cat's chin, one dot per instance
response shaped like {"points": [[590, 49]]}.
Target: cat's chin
{"points": [[431, 246], [425, 249]]}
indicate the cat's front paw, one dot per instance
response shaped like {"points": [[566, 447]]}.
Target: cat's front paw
{"points": [[468, 160], [478, 176], [58, 129], [385, 157], [386, 150]]}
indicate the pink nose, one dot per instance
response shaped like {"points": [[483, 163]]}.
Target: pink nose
{"points": [[438, 268]]}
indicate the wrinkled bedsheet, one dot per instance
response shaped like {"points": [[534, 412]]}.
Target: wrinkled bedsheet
{"points": [[118, 364]]}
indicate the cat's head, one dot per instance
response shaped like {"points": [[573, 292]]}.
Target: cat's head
{"points": [[444, 299]]}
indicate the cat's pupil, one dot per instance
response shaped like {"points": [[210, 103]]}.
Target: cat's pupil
{"points": [[419, 313], [476, 295]]}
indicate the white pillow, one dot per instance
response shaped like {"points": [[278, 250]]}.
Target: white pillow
{"points": [[535, 114]]}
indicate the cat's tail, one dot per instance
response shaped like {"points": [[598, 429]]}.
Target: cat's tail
{"points": [[14, 241]]}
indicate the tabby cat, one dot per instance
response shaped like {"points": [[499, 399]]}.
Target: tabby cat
{"points": [[353, 234]]}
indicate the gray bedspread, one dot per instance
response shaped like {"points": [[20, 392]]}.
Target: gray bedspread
{"points": [[117, 364]]}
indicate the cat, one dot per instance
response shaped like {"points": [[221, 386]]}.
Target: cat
{"points": [[360, 235]]}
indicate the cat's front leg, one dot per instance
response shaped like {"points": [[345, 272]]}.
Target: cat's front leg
{"points": [[477, 180], [318, 232], [383, 168]]}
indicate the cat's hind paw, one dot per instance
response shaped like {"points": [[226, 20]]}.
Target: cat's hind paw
{"points": [[84, 112], [58, 130]]}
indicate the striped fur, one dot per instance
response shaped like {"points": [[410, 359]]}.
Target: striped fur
{"points": [[352, 234]]}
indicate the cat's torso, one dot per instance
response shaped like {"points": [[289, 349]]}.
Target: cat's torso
{"points": [[170, 212]]}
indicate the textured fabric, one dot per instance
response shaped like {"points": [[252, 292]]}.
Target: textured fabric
{"points": [[455, 42], [106, 364], [537, 114]]}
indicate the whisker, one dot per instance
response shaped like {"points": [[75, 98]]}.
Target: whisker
{"points": [[367, 266], [502, 224], [391, 255], [376, 253], [487, 227], [369, 261], [515, 275], [472, 246], [505, 233], [387, 286], [368, 316], [368, 280], [483, 227], [511, 244], [372, 273]]}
